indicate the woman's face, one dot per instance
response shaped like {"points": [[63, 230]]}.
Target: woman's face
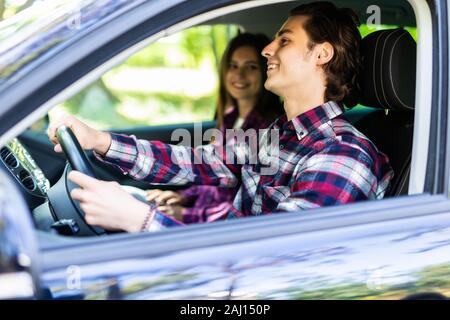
{"points": [[243, 77]]}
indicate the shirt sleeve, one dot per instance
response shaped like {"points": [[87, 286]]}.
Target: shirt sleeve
{"points": [[162, 221], [159, 163], [337, 175], [207, 213], [206, 203], [190, 195]]}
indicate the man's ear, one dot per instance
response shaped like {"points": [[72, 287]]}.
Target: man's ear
{"points": [[324, 53]]}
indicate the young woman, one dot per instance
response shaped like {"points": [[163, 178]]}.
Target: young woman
{"points": [[244, 104]]}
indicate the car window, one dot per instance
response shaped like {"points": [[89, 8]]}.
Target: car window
{"points": [[365, 29], [174, 80]]}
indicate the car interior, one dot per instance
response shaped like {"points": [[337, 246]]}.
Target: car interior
{"points": [[388, 84], [385, 113]]}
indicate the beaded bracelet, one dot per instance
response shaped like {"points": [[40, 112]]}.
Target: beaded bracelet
{"points": [[150, 213]]}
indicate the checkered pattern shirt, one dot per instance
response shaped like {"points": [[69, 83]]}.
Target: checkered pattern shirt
{"points": [[208, 203], [318, 159]]}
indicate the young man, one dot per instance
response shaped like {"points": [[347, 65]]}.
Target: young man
{"points": [[322, 159]]}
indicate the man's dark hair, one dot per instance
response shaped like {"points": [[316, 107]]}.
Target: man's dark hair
{"points": [[327, 23]]}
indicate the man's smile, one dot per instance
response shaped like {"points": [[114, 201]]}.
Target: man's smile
{"points": [[271, 67]]}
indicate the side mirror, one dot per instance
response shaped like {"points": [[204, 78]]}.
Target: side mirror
{"points": [[19, 271]]}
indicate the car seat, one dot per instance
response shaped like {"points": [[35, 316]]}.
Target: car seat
{"points": [[387, 85]]}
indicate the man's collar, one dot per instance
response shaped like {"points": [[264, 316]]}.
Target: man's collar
{"points": [[310, 120]]}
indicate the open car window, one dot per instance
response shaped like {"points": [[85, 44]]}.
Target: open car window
{"points": [[134, 94], [172, 81]]}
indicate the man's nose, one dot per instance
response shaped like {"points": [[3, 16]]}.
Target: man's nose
{"points": [[268, 51]]}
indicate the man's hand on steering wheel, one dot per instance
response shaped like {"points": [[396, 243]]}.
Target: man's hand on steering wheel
{"points": [[89, 138], [107, 205], [104, 204]]}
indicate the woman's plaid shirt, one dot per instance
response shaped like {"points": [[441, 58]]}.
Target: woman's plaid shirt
{"points": [[317, 159]]}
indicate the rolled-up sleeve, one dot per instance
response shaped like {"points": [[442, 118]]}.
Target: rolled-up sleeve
{"points": [[160, 163]]}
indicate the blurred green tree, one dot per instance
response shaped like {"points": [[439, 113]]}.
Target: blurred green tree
{"points": [[122, 106]]}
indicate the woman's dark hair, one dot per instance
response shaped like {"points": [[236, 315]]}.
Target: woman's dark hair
{"points": [[327, 23], [268, 104]]}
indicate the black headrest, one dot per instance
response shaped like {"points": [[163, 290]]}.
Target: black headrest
{"points": [[388, 78]]}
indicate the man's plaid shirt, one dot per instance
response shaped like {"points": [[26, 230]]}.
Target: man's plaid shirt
{"points": [[321, 160]]}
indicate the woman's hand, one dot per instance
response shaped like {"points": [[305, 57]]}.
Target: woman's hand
{"points": [[168, 202], [162, 197], [175, 211], [107, 205], [88, 137]]}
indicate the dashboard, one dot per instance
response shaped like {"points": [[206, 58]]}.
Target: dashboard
{"points": [[52, 208], [30, 179], [43, 200]]}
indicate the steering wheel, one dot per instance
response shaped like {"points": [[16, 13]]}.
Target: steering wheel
{"points": [[73, 151], [66, 210]]}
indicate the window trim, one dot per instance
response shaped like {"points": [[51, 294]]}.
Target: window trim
{"points": [[422, 116]]}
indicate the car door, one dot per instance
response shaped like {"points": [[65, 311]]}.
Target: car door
{"points": [[388, 248], [366, 251]]}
